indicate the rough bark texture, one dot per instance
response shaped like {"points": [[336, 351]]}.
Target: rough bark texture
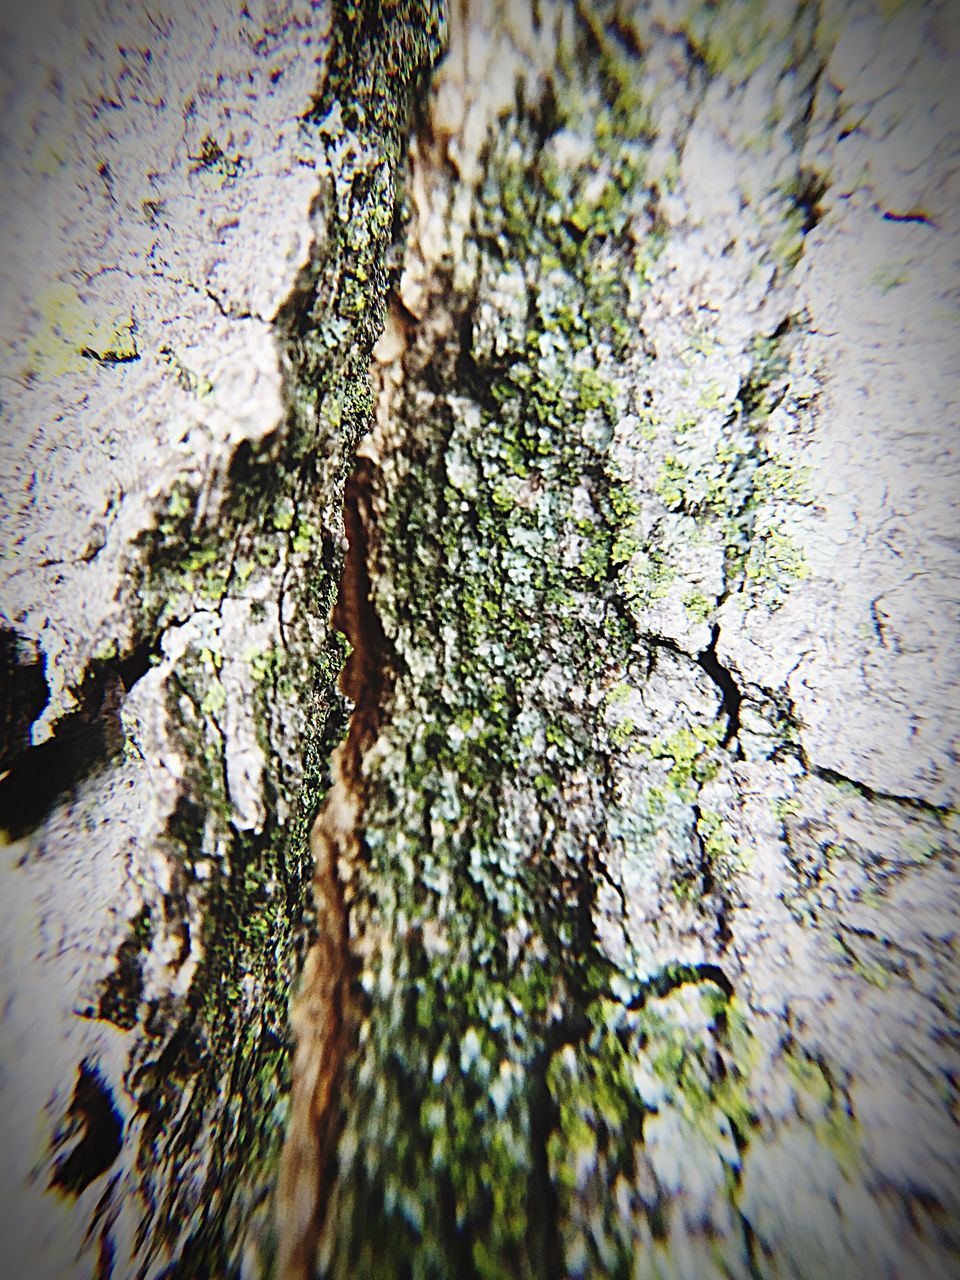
{"points": [[649, 864], [199, 204], [635, 897]]}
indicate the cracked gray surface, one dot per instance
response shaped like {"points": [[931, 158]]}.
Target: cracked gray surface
{"points": [[125, 239], [156, 210]]}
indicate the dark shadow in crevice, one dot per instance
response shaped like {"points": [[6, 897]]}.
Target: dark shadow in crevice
{"points": [[34, 778], [122, 990], [23, 694], [731, 697], [809, 189], [365, 676], [137, 663], [914, 215], [673, 976], [93, 1119]]}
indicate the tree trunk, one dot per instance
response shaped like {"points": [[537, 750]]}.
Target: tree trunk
{"points": [[645, 854], [199, 210], [634, 897]]}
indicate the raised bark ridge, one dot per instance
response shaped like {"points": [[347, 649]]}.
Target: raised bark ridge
{"points": [[632, 965]]}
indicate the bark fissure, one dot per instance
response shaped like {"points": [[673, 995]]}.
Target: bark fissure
{"points": [[723, 678], [336, 841], [366, 675], [456, 615]]}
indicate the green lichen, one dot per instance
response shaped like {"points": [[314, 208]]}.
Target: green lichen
{"points": [[722, 857], [631, 1067], [698, 606], [648, 579], [785, 807], [890, 275], [499, 1043], [689, 756], [774, 564], [105, 650], [736, 38]]}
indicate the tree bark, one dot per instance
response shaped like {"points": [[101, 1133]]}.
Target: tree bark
{"points": [[631, 945], [199, 209], [648, 864]]}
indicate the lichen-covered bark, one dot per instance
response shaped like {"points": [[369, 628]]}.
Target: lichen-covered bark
{"points": [[649, 903], [634, 892], [212, 195]]}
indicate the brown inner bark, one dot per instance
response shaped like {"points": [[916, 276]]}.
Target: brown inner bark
{"points": [[324, 1015], [364, 676]]}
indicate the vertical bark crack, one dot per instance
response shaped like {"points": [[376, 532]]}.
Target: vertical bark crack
{"points": [[364, 677], [324, 1014], [730, 692]]}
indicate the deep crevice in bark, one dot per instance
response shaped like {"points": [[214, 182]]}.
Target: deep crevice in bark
{"points": [[92, 1119], [365, 675], [40, 775], [23, 694], [722, 677], [873, 794], [329, 1014]]}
